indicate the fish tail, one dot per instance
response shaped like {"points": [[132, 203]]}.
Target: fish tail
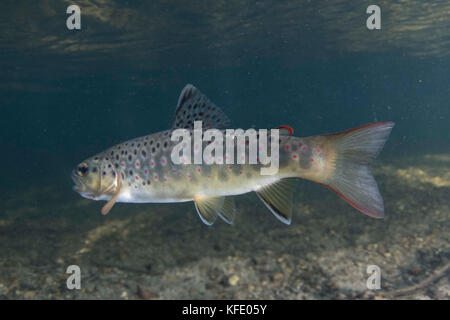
{"points": [[350, 175]]}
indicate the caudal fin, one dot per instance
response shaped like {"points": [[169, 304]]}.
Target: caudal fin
{"points": [[352, 179]]}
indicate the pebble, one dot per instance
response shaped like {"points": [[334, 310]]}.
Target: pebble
{"points": [[233, 280]]}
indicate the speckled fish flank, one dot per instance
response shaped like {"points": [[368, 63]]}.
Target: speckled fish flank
{"points": [[141, 170]]}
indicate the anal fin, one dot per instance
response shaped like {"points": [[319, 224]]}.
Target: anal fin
{"points": [[208, 208], [277, 197]]}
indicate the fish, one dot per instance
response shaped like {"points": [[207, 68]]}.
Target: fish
{"points": [[142, 170]]}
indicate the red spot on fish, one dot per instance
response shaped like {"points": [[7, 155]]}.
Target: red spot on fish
{"points": [[199, 170], [240, 172], [152, 163], [208, 124], [294, 156], [137, 164], [318, 150], [123, 164], [312, 159], [230, 167], [300, 144], [287, 147], [174, 170], [156, 177], [304, 148], [137, 178], [163, 161], [146, 171]]}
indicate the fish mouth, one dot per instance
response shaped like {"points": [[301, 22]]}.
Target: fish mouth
{"points": [[79, 186]]}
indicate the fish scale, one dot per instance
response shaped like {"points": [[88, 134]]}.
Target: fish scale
{"points": [[142, 171]]}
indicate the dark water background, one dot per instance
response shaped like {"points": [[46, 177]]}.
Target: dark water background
{"points": [[313, 65]]}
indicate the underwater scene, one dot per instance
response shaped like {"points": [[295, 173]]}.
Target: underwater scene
{"points": [[93, 206]]}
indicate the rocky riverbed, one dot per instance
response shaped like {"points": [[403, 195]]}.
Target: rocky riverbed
{"points": [[163, 251]]}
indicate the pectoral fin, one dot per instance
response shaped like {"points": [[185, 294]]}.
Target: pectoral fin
{"points": [[108, 206], [208, 208], [277, 197]]}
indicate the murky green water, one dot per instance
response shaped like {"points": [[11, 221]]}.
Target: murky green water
{"points": [[67, 94]]}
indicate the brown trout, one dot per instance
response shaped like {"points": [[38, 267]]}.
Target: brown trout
{"points": [[142, 171]]}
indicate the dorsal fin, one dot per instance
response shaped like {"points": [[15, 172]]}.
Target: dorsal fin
{"points": [[195, 106]]}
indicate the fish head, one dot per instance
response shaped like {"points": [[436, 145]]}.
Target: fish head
{"points": [[95, 178]]}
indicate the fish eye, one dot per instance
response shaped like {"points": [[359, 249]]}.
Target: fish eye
{"points": [[83, 169]]}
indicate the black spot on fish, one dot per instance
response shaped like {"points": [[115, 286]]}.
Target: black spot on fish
{"points": [[157, 145], [94, 170], [130, 157], [151, 142], [144, 154], [165, 144], [153, 150], [131, 172]]}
